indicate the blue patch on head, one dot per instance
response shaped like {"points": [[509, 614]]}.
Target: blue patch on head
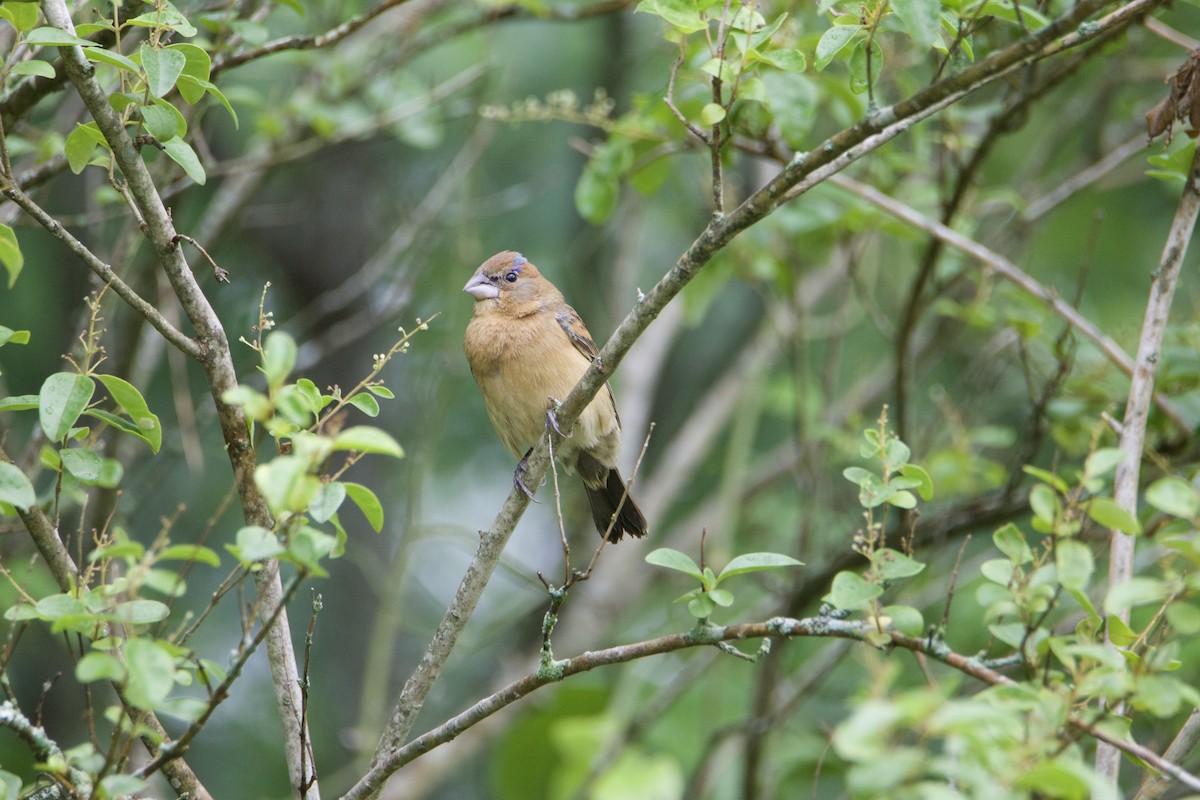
{"points": [[518, 260]]}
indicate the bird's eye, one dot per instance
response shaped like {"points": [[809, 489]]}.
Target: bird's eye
{"points": [[511, 277]]}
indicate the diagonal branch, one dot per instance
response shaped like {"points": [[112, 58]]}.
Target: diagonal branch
{"points": [[1011, 272]]}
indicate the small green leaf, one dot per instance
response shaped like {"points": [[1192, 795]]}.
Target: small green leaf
{"points": [[140, 612], [907, 619], [1133, 592], [279, 357], [922, 482], [190, 552], [79, 148], [42, 69], [711, 114], [163, 67], [893, 565], [920, 19], [63, 397], [1047, 477], [163, 120], [367, 439], [182, 154], [9, 336], [1174, 496], [54, 37], [1105, 511], [786, 60], [15, 488], [832, 42], [673, 559], [126, 395], [81, 463], [722, 597], [96, 666], [851, 592], [1075, 564], [366, 404], [23, 17], [329, 498], [1119, 632], [193, 85], [19, 402], [113, 59], [121, 785], [1011, 542], [755, 562], [255, 543], [596, 194], [681, 14], [701, 606], [10, 254], [1044, 503], [286, 484], [151, 673], [367, 503], [1102, 462]]}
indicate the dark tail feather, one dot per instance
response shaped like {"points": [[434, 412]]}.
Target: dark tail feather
{"points": [[611, 499]]}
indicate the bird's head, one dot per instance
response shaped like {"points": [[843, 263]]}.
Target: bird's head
{"points": [[512, 281]]}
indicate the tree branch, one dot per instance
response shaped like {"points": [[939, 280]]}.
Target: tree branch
{"points": [[1137, 407]]}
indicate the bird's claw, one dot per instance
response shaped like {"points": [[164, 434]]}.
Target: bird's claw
{"points": [[552, 418], [519, 477]]}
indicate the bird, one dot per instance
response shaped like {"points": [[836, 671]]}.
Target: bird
{"points": [[526, 347]]}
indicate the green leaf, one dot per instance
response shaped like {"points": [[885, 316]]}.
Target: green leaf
{"points": [[1011, 542], [19, 402], [113, 59], [329, 498], [279, 357], [126, 395], [151, 673], [308, 546], [121, 785], [711, 114], [920, 19], [1075, 564], [1101, 462], [197, 65], [163, 120], [190, 552], [701, 606], [368, 439], [9, 336], [15, 488], [1105, 511], [140, 612], [79, 148], [162, 66], [755, 562], [367, 503], [82, 463], [1119, 631], [63, 397], [907, 619], [286, 484], [192, 85], [851, 592], [23, 17], [1174, 496], [1133, 592], [673, 559], [862, 74], [832, 42], [923, 483], [682, 14], [366, 404], [893, 565], [10, 254], [596, 194], [165, 16], [35, 66], [255, 543], [786, 60], [97, 666], [722, 597], [1044, 503], [182, 154], [54, 37]]}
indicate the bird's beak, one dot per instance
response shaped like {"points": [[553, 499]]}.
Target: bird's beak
{"points": [[479, 288]]}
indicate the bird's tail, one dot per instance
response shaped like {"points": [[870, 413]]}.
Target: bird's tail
{"points": [[612, 500]]}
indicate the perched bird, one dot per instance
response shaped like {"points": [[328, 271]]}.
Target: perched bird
{"points": [[526, 348]]}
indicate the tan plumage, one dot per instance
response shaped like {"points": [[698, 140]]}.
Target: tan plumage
{"points": [[526, 345]]}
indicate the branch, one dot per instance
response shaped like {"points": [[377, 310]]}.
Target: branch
{"points": [[1011, 272], [800, 174], [775, 628], [308, 41], [1137, 407], [126, 292], [1154, 786], [216, 361]]}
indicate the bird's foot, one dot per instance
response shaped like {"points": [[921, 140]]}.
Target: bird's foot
{"points": [[519, 476], [552, 417]]}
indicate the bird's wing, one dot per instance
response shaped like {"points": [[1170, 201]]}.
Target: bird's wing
{"points": [[575, 330]]}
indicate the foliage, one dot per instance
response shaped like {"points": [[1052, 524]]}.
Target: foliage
{"points": [[884, 211]]}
